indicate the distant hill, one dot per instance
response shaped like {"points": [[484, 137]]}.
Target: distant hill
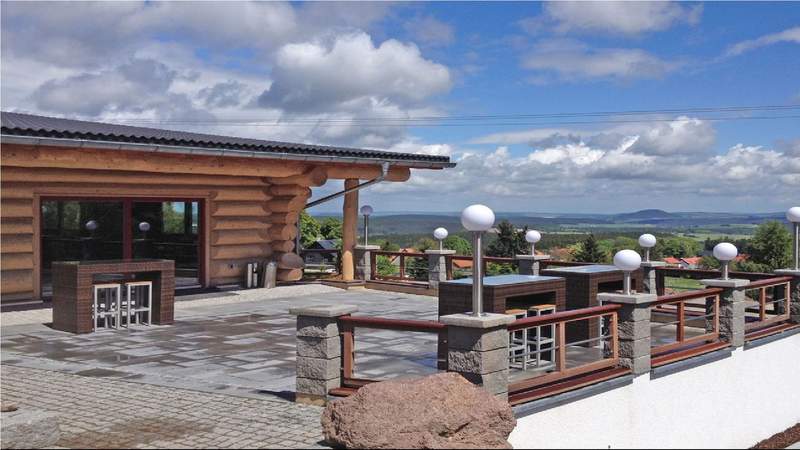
{"points": [[645, 214]]}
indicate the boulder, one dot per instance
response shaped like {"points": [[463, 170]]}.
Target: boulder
{"points": [[29, 429], [438, 411]]}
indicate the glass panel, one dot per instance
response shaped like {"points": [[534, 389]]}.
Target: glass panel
{"points": [[168, 230], [79, 230]]}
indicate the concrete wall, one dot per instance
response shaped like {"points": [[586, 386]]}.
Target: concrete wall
{"points": [[730, 403]]}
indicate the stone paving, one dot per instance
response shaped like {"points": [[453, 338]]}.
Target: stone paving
{"points": [[107, 413]]}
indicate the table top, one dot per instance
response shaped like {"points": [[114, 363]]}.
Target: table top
{"points": [[503, 280], [594, 268]]}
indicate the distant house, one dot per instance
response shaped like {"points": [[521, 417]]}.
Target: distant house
{"points": [[684, 263], [321, 258]]}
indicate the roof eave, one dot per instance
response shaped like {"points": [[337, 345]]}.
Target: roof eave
{"points": [[176, 149]]}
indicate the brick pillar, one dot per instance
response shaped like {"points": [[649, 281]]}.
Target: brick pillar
{"points": [[794, 291], [477, 349], [529, 264], [633, 329], [437, 266], [649, 282], [319, 354], [731, 309], [362, 256]]}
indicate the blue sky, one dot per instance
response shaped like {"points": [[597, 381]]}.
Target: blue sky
{"points": [[313, 72]]}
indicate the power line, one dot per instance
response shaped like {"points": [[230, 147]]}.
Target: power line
{"points": [[487, 119]]}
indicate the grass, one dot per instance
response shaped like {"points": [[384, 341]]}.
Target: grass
{"points": [[682, 284]]}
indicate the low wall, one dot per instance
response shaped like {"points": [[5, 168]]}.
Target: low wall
{"points": [[732, 402]]}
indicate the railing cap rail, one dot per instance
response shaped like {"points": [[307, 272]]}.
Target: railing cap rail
{"points": [[385, 323], [564, 316], [769, 282], [688, 295]]}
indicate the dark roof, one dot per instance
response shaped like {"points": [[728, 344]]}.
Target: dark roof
{"points": [[325, 244], [29, 125]]}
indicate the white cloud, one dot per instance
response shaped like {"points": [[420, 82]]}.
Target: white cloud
{"points": [[622, 17], [684, 135], [430, 30], [791, 35], [572, 60]]}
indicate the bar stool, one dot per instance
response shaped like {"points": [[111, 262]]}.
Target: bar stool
{"points": [[517, 350], [541, 339], [106, 304], [138, 301]]}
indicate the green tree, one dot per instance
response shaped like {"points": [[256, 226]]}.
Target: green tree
{"points": [[509, 242], [590, 251], [388, 246], [611, 246], [331, 228], [770, 247], [417, 268], [677, 246], [459, 244], [309, 229]]}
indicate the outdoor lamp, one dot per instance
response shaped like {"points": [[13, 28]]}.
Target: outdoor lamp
{"points": [[144, 227], [533, 236], [627, 261], [440, 234], [366, 211], [91, 225], [647, 241], [725, 252], [477, 219], [793, 215]]}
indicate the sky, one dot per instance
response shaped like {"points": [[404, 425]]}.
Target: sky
{"points": [[558, 107]]}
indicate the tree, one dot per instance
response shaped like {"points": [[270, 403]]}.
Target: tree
{"points": [[331, 228], [309, 229], [509, 241], [677, 247], [590, 251], [417, 268], [770, 247], [387, 246], [459, 244]]}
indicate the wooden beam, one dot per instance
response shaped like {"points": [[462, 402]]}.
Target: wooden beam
{"points": [[349, 225]]}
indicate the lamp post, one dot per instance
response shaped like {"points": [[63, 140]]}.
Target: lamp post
{"points": [[533, 236], [440, 234], [793, 215], [477, 219], [725, 252], [627, 261], [647, 241], [366, 211]]}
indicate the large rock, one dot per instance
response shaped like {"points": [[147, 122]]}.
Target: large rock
{"points": [[439, 411], [29, 429]]}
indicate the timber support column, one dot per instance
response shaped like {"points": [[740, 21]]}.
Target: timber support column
{"points": [[349, 227]]}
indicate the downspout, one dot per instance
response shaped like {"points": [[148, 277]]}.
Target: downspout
{"points": [[376, 180]]}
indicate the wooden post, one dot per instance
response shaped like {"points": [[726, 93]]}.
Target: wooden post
{"points": [[349, 226]]}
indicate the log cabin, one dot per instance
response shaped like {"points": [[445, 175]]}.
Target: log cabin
{"points": [[78, 190]]}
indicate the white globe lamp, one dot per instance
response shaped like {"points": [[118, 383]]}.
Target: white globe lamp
{"points": [[440, 234], [477, 219], [627, 261], [91, 225], [647, 241], [144, 226], [366, 211], [725, 252], [793, 216], [533, 236]]}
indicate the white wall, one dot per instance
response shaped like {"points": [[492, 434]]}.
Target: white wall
{"points": [[734, 402]]}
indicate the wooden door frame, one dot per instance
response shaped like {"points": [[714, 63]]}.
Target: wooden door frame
{"points": [[203, 235]]}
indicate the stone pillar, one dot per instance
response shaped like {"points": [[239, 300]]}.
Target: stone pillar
{"points": [[363, 261], [319, 352], [731, 309], [349, 227], [633, 329], [649, 276], [477, 349], [437, 266], [794, 291], [529, 264]]}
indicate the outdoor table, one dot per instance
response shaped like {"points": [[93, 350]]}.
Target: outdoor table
{"points": [[583, 285], [72, 289], [502, 292]]}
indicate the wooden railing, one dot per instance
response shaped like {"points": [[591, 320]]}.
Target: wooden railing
{"points": [[419, 272], [565, 374], [662, 273], [683, 312], [761, 321], [348, 325]]}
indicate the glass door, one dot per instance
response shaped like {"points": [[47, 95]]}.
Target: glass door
{"points": [[169, 230]]}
